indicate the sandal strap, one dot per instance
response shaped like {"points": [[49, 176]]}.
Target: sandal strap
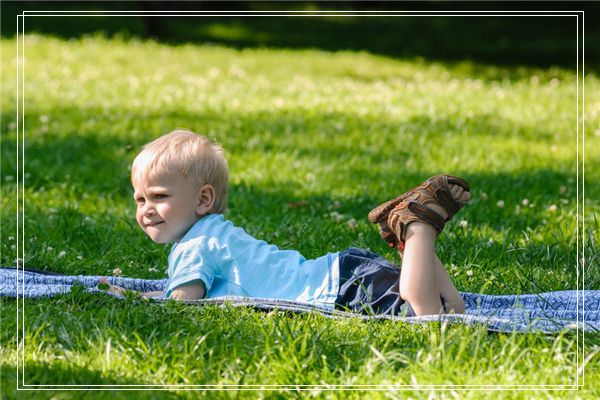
{"points": [[428, 215], [447, 201], [413, 210], [439, 188]]}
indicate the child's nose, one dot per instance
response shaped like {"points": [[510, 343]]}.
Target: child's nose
{"points": [[148, 209]]}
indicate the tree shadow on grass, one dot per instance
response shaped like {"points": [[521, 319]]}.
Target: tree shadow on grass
{"points": [[502, 40]]}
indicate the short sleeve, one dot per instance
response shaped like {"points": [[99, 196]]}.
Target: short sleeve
{"points": [[189, 261]]}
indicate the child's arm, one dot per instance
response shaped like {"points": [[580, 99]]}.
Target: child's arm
{"points": [[119, 290], [193, 291]]}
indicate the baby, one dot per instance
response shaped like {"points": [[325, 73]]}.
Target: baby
{"points": [[180, 183]]}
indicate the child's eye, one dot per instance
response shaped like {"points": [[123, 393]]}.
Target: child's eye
{"points": [[140, 200], [160, 196]]}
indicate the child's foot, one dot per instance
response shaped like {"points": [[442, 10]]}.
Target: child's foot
{"points": [[459, 195], [435, 201]]}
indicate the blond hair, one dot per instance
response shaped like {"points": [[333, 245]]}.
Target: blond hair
{"points": [[189, 154]]}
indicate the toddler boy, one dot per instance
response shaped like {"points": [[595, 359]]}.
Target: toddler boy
{"points": [[180, 187]]}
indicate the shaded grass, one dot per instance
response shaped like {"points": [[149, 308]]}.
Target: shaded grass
{"points": [[503, 40]]}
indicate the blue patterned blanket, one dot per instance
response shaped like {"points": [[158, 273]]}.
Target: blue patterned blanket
{"points": [[544, 312]]}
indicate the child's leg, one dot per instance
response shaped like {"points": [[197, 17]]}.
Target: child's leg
{"points": [[424, 279], [453, 299], [419, 283]]}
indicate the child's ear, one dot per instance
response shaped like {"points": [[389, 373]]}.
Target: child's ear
{"points": [[206, 200]]}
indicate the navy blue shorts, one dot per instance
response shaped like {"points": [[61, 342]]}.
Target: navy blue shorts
{"points": [[369, 284]]}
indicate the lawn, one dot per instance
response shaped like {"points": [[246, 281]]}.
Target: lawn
{"points": [[314, 140]]}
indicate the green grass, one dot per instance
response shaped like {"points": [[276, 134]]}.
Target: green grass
{"points": [[310, 135]]}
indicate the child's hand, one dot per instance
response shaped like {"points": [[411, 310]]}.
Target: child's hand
{"points": [[112, 288], [121, 291]]}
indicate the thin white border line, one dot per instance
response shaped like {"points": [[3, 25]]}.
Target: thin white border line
{"points": [[18, 343], [310, 386], [577, 313], [311, 15], [327, 12], [332, 388], [583, 173], [387, 389], [577, 211], [21, 188], [203, 387]]}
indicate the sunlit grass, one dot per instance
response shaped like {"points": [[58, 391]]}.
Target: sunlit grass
{"points": [[314, 140]]}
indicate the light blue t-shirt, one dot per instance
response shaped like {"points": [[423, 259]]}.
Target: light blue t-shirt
{"points": [[231, 262]]}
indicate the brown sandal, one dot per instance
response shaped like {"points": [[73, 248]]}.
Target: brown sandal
{"points": [[435, 189]]}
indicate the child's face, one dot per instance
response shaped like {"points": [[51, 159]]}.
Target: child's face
{"points": [[166, 206]]}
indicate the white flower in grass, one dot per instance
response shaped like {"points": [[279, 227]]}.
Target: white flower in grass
{"points": [[463, 223], [564, 201], [152, 269], [470, 272], [553, 208], [79, 257], [483, 196], [49, 248], [279, 102], [214, 72], [352, 223], [11, 238], [500, 203], [236, 72], [117, 272], [535, 80], [525, 202], [62, 254], [336, 216]]}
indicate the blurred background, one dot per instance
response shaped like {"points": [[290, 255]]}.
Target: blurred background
{"points": [[540, 41]]}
